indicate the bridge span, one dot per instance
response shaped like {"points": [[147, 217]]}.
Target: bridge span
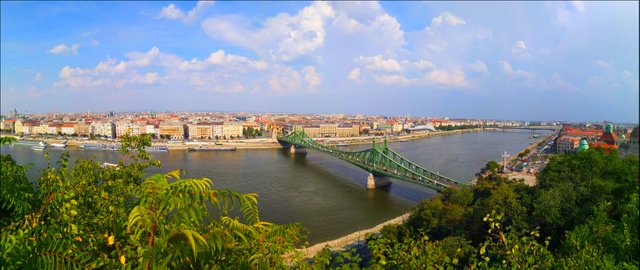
{"points": [[380, 161]]}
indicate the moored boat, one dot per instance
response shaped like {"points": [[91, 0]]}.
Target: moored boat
{"points": [[211, 149], [156, 149], [90, 146], [341, 144], [27, 142], [59, 145]]}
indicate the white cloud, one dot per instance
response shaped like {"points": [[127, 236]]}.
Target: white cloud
{"points": [[447, 79], [312, 77], [602, 63], [399, 80], [446, 18], [171, 12], [283, 37], [478, 66], [220, 58], [38, 77], [556, 82], [285, 81], [354, 75], [64, 49], [423, 64], [506, 68], [148, 78], [378, 62], [626, 73], [519, 47]]}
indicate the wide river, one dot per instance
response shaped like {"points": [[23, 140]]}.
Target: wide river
{"points": [[328, 196]]}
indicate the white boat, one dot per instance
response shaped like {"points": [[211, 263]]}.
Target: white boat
{"points": [[90, 146], [341, 144], [156, 149], [59, 145], [38, 148]]}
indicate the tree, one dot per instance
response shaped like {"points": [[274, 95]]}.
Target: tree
{"points": [[86, 216]]}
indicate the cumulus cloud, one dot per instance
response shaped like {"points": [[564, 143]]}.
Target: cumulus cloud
{"points": [[519, 47], [38, 77], [354, 75], [311, 77], [447, 79], [284, 81], [478, 66], [63, 49], [626, 73], [446, 18], [171, 12], [378, 62], [506, 68], [398, 80], [283, 37]]}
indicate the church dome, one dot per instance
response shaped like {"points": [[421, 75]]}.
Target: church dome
{"points": [[584, 145]]}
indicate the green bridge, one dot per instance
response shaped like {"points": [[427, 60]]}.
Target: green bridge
{"points": [[379, 161]]}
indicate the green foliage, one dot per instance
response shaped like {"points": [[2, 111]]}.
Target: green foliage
{"points": [[582, 214], [85, 217], [448, 127]]}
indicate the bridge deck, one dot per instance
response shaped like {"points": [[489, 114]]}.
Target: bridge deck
{"points": [[378, 160]]}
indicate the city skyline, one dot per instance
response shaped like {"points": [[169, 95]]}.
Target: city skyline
{"points": [[571, 61]]}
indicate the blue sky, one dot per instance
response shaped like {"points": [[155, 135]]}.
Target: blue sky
{"points": [[575, 61]]}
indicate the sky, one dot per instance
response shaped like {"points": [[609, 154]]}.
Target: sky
{"points": [[566, 61]]}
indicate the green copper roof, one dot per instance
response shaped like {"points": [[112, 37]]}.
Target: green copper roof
{"points": [[608, 128], [584, 145], [623, 137]]}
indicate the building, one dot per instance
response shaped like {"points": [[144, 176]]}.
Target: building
{"points": [[217, 130], [103, 129], [348, 130], [67, 129], [172, 130], [567, 145], [82, 129], [8, 125], [124, 127], [18, 126], [200, 131], [54, 129], [232, 130]]}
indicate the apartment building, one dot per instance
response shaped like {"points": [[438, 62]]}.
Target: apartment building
{"points": [[82, 129], [67, 129], [200, 131], [232, 129], [103, 129], [172, 130]]}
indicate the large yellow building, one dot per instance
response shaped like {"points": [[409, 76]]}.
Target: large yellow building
{"points": [[329, 130], [232, 130], [200, 131], [172, 130]]}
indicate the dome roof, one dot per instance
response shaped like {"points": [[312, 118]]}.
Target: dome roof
{"points": [[584, 145], [608, 128]]}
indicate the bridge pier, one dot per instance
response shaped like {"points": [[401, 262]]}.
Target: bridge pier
{"points": [[297, 149], [376, 181]]}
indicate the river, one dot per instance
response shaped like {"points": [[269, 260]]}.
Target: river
{"points": [[328, 196]]}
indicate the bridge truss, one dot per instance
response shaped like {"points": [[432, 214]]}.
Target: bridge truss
{"points": [[379, 160]]}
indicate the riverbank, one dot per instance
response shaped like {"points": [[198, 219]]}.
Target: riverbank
{"points": [[355, 237], [267, 143]]}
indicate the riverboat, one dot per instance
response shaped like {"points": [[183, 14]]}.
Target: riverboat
{"points": [[115, 147], [59, 145], [90, 146], [27, 142], [156, 149], [341, 144], [211, 149]]}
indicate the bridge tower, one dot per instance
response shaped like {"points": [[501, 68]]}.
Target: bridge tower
{"points": [[375, 180]]}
